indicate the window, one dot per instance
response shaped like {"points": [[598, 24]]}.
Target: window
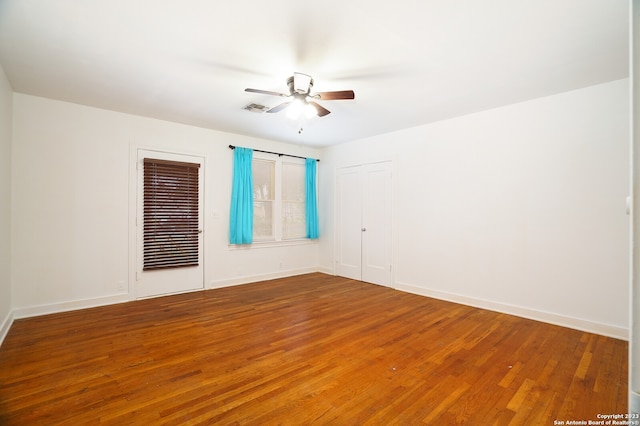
{"points": [[293, 208], [278, 198], [263, 199]]}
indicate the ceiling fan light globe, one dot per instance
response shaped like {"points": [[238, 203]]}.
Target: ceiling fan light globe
{"points": [[310, 111], [295, 109]]}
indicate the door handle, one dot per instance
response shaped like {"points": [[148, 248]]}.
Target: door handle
{"points": [[363, 229]]}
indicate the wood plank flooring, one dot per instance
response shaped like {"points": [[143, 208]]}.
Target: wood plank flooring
{"points": [[312, 349]]}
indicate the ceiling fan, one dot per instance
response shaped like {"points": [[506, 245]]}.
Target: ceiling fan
{"points": [[301, 100]]}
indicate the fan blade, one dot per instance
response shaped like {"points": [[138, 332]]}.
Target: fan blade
{"points": [[280, 107], [341, 94], [322, 111], [265, 92]]}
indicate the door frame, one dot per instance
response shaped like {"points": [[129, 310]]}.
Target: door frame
{"points": [[134, 150], [336, 237]]}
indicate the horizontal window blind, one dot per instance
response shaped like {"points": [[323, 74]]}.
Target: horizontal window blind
{"points": [[170, 216]]}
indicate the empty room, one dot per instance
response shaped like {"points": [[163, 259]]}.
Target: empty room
{"points": [[411, 212]]}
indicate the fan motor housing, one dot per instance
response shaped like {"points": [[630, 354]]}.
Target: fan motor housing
{"points": [[292, 90]]}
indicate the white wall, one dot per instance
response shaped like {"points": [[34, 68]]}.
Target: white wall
{"points": [[71, 206], [519, 209], [6, 100]]}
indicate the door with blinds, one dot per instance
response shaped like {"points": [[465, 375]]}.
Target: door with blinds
{"points": [[169, 223]]}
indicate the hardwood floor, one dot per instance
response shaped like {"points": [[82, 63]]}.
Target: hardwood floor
{"points": [[313, 349]]}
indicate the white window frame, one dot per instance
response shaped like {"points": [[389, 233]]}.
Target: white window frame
{"points": [[277, 239]]}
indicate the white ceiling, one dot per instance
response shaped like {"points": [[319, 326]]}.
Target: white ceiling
{"points": [[410, 62]]}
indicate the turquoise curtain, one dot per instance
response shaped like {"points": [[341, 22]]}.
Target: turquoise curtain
{"points": [[241, 217], [311, 202]]}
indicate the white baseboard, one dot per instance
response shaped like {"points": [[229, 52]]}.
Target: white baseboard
{"points": [[246, 279], [5, 326], [33, 311], [561, 320], [328, 271], [575, 323]]}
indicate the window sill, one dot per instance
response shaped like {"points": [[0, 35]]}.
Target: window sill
{"points": [[268, 244]]}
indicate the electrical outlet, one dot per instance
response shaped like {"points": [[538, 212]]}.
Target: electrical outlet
{"points": [[121, 286]]}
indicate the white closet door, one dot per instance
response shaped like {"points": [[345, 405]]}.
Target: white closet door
{"points": [[363, 241], [349, 223], [376, 223]]}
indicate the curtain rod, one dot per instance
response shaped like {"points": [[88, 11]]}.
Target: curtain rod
{"points": [[276, 153]]}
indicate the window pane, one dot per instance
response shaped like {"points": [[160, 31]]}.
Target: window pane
{"points": [[263, 220], [263, 195], [293, 181], [293, 220], [293, 206]]}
